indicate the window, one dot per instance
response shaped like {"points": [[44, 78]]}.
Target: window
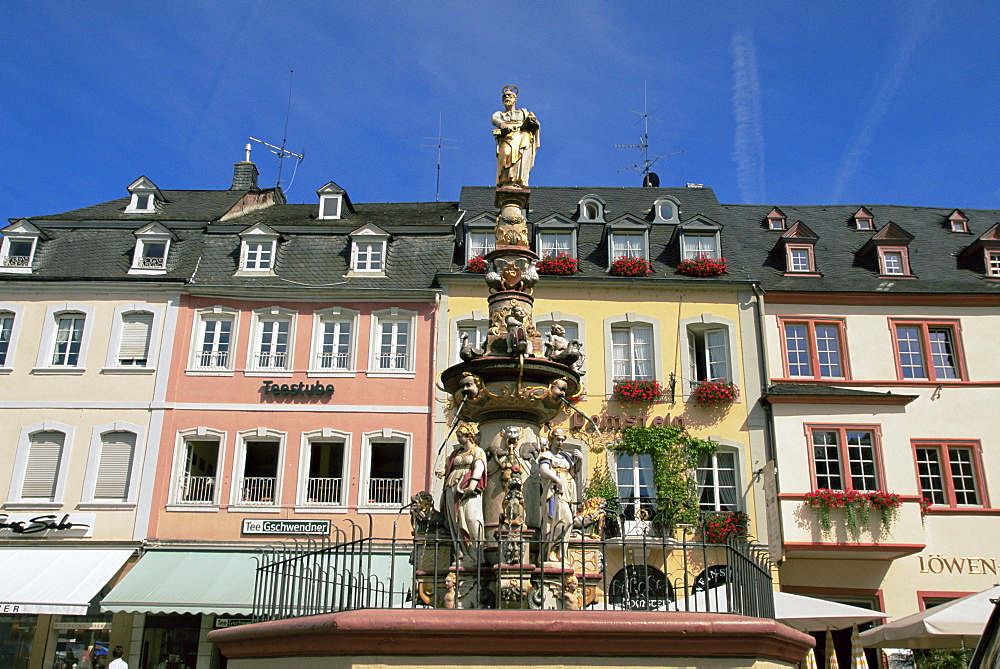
{"points": [[717, 481], [699, 246], [800, 258], [323, 458], [257, 249], [258, 455], [665, 210], [198, 467], [387, 453], [814, 349], [591, 208], [213, 346], [143, 196], [368, 256], [632, 353], [271, 348], [928, 350], [114, 471], [69, 340], [708, 355], [845, 458], [480, 242], [993, 263], [17, 247], [893, 261], [40, 466], [635, 486], [393, 338], [134, 347], [6, 337], [554, 243], [628, 245], [333, 341], [863, 220], [950, 474], [151, 247], [331, 197], [776, 219], [958, 222]]}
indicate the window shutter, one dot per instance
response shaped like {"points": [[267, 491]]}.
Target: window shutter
{"points": [[42, 471], [115, 468], [135, 336]]}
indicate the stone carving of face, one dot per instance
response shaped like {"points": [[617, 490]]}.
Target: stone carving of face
{"points": [[468, 388], [558, 330], [509, 99], [558, 389], [556, 440]]}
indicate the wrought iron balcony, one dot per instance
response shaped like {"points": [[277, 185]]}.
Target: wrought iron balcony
{"points": [[258, 490], [15, 261], [323, 491], [385, 492], [196, 489], [332, 360], [151, 262]]}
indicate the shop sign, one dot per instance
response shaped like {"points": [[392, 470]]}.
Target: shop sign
{"points": [[269, 526], [81, 626], [30, 525], [612, 422], [10, 608], [301, 389], [223, 623], [973, 566]]}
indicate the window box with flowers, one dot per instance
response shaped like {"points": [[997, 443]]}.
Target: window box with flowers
{"points": [[856, 505], [476, 265], [638, 392], [629, 266], [562, 263], [715, 393], [702, 266], [720, 527]]}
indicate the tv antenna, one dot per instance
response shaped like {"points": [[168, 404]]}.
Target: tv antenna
{"points": [[281, 151], [440, 145], [649, 178]]}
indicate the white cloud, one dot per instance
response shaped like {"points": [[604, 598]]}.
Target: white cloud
{"points": [[748, 145]]}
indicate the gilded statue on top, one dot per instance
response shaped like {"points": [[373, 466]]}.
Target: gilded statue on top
{"points": [[517, 135]]}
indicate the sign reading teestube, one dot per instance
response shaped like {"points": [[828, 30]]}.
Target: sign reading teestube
{"points": [[271, 526]]}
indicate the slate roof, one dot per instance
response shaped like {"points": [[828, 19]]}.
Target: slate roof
{"points": [[592, 246], [933, 252], [178, 205]]}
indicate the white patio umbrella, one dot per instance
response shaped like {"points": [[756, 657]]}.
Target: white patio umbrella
{"points": [[807, 614], [955, 624]]}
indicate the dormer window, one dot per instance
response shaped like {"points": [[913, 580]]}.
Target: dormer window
{"points": [[591, 209], [480, 238], [666, 210], [144, 196], [17, 248], [331, 201], [776, 220], [258, 248], [699, 238], [987, 248], [958, 221], [891, 243], [368, 250], [893, 261], [555, 236], [151, 247], [628, 237], [800, 250], [863, 220]]}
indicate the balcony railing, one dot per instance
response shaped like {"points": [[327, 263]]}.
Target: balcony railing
{"points": [[257, 490], [151, 263], [196, 490], [385, 492], [213, 360], [397, 362], [332, 360], [323, 491], [15, 261], [271, 360]]}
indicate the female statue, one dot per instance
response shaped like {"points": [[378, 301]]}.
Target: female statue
{"points": [[517, 136], [462, 503], [558, 494]]}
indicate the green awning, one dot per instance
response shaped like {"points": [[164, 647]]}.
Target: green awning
{"points": [[164, 581]]}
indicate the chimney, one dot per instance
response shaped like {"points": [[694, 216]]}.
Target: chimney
{"points": [[245, 174]]}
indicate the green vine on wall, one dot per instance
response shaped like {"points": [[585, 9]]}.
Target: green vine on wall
{"points": [[675, 455]]}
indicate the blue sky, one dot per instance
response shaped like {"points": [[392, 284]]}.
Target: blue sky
{"points": [[780, 102]]}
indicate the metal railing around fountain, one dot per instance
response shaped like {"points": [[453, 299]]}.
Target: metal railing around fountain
{"points": [[352, 569]]}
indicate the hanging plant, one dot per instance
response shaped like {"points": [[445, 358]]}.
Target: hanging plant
{"points": [[562, 263], [639, 392], [856, 505], [715, 393], [721, 526], [702, 266], [476, 265], [925, 506], [629, 266], [675, 455], [887, 504]]}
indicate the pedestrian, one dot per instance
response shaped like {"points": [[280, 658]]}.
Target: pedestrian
{"points": [[118, 662]]}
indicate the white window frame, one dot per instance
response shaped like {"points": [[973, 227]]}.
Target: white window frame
{"points": [[139, 188], [368, 235], [736, 450], [544, 323], [14, 498], [615, 236], [16, 312], [46, 347], [658, 216], [263, 235], [394, 314], [699, 228], [556, 225], [477, 319], [257, 319], [216, 312], [320, 317], [111, 361], [259, 248], [593, 213], [178, 468], [628, 320], [325, 434], [992, 263], [381, 436], [154, 233], [21, 231], [704, 323], [472, 248], [239, 466], [556, 249], [327, 200], [368, 256], [94, 463]]}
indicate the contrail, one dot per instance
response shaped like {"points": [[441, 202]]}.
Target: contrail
{"points": [[748, 145], [918, 25]]}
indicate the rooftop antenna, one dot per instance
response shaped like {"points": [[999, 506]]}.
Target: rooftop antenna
{"points": [[648, 178], [439, 139], [281, 151]]}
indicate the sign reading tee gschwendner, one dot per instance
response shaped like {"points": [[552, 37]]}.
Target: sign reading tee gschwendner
{"points": [[271, 526]]}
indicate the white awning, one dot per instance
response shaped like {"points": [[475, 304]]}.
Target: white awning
{"points": [[55, 580]]}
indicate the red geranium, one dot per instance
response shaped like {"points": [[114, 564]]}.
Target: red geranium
{"points": [[702, 266], [561, 263], [719, 527], [476, 265], [716, 393], [638, 391], [629, 266]]}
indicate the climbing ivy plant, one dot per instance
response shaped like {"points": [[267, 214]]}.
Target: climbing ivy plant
{"points": [[675, 455]]}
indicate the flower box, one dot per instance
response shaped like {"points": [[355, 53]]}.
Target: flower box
{"points": [[562, 263], [702, 266], [629, 266], [856, 504], [715, 393], [638, 391], [476, 265], [720, 527]]}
